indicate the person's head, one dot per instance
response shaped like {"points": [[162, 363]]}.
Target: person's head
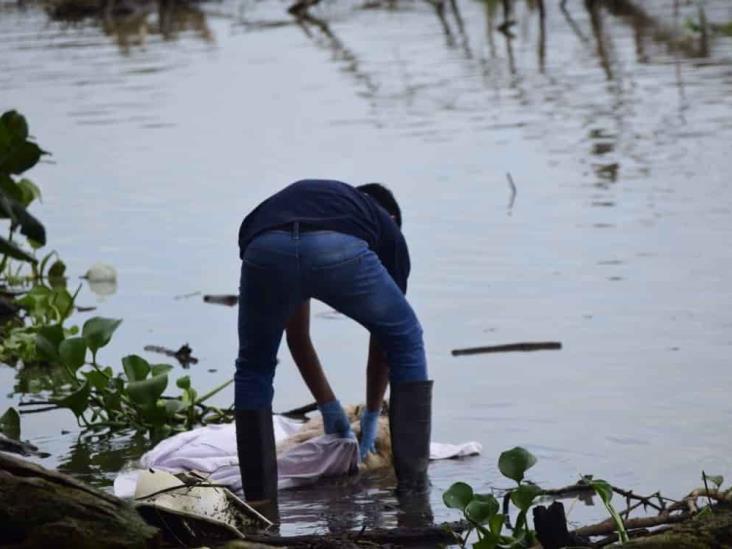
{"points": [[384, 198]]}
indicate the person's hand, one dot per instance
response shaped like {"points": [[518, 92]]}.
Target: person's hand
{"points": [[335, 420], [369, 430]]}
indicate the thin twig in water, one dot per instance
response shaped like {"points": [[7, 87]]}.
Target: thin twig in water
{"points": [[513, 191]]}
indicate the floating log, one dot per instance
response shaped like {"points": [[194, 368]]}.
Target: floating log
{"points": [[510, 347]]}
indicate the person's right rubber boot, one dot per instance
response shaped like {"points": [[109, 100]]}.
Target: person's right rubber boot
{"points": [[410, 422], [255, 445]]}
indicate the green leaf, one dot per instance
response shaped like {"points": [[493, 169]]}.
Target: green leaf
{"points": [[57, 270], [21, 157], [98, 331], [458, 496], [488, 542], [48, 340], [12, 250], [15, 125], [515, 462], [156, 413], [496, 523], [147, 392], [29, 191], [62, 301], [72, 352], [6, 208], [489, 499], [157, 369], [97, 379], [184, 382], [29, 225], [716, 479], [10, 424], [603, 489], [76, 401], [112, 401], [523, 496], [136, 368], [10, 188], [173, 406], [480, 511]]}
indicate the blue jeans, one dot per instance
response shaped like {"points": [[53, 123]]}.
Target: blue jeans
{"points": [[283, 268]]}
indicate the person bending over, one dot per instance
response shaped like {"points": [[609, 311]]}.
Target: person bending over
{"points": [[342, 245]]}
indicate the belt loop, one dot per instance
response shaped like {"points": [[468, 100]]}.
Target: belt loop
{"points": [[296, 230]]}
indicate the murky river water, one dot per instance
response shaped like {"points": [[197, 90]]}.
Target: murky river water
{"points": [[615, 124]]}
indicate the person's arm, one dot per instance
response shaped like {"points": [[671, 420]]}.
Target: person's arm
{"points": [[304, 355], [377, 377]]}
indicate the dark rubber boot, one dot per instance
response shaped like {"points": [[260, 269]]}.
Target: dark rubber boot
{"points": [[410, 421], [255, 445]]}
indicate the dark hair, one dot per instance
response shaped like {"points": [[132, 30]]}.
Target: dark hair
{"points": [[384, 198]]}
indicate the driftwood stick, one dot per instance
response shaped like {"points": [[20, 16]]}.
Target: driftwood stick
{"points": [[427, 536], [510, 347], [301, 411], [607, 527], [584, 487], [227, 299]]}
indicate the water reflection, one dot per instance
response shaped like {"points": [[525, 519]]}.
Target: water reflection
{"points": [[130, 23], [96, 458]]}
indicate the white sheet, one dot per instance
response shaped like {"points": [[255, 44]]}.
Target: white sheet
{"points": [[211, 450]]}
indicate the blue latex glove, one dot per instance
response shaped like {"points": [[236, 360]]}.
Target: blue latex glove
{"points": [[369, 430], [335, 420]]}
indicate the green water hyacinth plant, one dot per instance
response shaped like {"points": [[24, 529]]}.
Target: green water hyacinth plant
{"points": [[133, 399], [483, 511], [33, 292], [18, 154], [488, 520]]}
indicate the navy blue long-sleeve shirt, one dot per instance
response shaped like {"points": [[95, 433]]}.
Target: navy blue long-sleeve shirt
{"points": [[333, 206]]}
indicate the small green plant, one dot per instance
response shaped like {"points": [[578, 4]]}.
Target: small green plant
{"points": [[605, 493], [481, 511], [134, 399], [44, 306]]}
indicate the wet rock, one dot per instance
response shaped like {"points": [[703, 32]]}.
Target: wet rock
{"points": [[43, 508]]}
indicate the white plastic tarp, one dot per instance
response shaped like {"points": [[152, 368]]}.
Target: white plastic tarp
{"points": [[211, 450]]}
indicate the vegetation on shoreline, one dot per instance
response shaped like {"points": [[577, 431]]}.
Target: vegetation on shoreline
{"points": [[484, 516], [33, 330]]}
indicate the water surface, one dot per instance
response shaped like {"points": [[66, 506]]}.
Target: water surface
{"points": [[167, 127]]}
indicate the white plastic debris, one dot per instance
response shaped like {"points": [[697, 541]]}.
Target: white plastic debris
{"points": [[101, 272]]}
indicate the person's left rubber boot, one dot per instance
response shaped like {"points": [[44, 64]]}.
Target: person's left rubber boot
{"points": [[255, 444], [410, 422]]}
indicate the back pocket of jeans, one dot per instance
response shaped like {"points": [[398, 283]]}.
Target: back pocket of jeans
{"points": [[342, 262]]}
